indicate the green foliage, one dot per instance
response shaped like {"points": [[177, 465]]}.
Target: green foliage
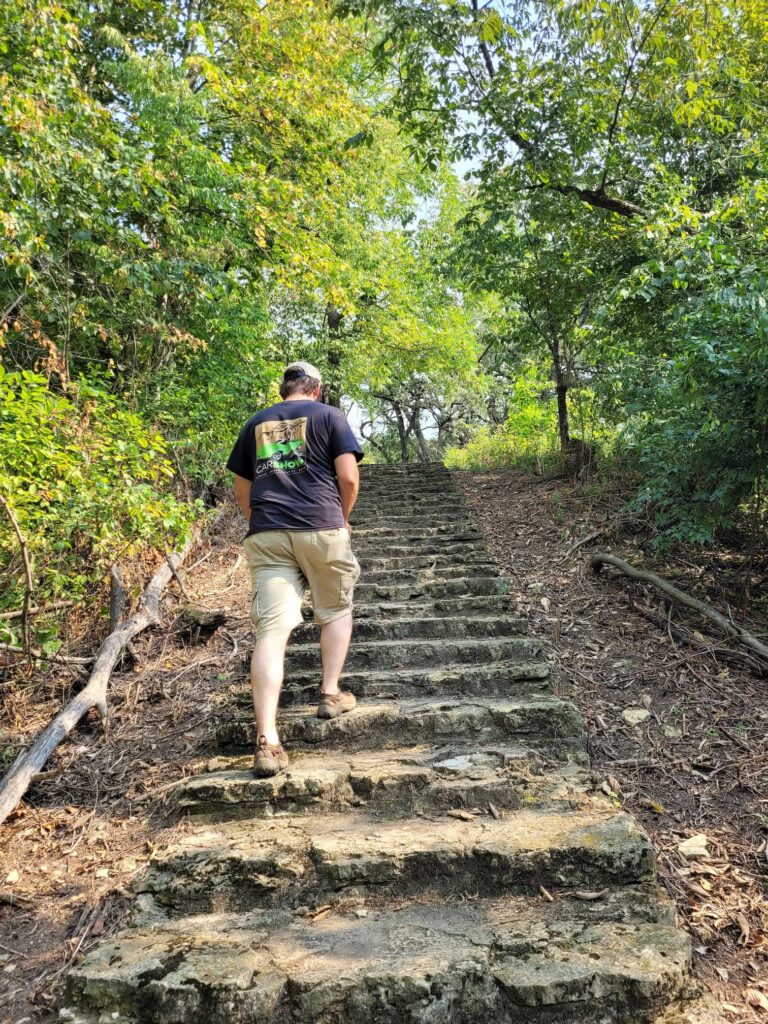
{"points": [[620, 160], [187, 193], [87, 483], [529, 435]]}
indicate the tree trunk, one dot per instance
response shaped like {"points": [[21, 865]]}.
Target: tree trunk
{"points": [[562, 418], [332, 389], [561, 389], [401, 433], [422, 442]]}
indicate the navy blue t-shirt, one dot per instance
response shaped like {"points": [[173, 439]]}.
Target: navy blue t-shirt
{"points": [[288, 452]]}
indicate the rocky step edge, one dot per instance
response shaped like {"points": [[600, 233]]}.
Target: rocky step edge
{"points": [[416, 534], [449, 518], [239, 865], [541, 719], [447, 682], [615, 960], [405, 589], [467, 607], [421, 627], [418, 780], [417, 653], [427, 573]]}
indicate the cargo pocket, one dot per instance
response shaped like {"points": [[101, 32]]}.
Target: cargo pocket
{"points": [[255, 604], [348, 579]]}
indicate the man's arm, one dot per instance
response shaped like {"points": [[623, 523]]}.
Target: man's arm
{"points": [[348, 477], [243, 495]]}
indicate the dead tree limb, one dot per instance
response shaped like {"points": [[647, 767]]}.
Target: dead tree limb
{"points": [[600, 559], [38, 655], [38, 609], [94, 694], [28, 576]]}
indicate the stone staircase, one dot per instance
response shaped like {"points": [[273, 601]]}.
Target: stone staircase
{"points": [[439, 855]]}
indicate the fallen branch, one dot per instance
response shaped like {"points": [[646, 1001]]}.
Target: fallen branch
{"points": [[598, 560], [700, 647], [94, 695], [581, 543]]}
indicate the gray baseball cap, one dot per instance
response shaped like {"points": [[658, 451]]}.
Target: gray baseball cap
{"points": [[301, 369]]}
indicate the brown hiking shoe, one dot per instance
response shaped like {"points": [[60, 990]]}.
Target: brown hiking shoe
{"points": [[269, 759], [334, 704]]}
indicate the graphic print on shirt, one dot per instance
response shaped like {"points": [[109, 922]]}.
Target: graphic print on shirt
{"points": [[281, 445]]}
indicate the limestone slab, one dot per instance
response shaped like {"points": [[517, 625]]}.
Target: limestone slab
{"points": [[506, 961]]}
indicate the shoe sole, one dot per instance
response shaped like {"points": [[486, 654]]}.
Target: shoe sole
{"points": [[267, 773], [333, 712]]}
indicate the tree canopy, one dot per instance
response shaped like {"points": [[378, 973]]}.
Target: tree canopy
{"points": [[505, 230]]}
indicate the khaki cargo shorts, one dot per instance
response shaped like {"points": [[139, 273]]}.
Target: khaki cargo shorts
{"points": [[284, 562]]}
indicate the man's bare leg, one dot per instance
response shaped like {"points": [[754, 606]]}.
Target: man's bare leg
{"points": [[334, 644], [266, 681]]}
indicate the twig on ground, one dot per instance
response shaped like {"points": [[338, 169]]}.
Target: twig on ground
{"points": [[178, 579], [582, 542], [15, 899]]}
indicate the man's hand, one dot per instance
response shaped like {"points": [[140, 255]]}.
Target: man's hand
{"points": [[347, 527]]}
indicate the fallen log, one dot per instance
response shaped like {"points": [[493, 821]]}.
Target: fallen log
{"points": [[598, 560], [94, 695]]}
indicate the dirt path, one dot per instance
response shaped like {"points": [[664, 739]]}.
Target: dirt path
{"points": [[698, 763]]}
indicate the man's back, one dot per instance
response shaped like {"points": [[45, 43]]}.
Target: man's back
{"points": [[288, 452]]}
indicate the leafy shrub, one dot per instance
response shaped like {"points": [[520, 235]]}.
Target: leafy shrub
{"points": [[87, 482], [529, 434]]}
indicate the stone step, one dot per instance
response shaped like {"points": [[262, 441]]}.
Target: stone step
{"points": [[426, 549], [435, 589], [539, 719], [451, 681], [386, 470], [449, 518], [617, 960], [418, 780], [433, 628], [427, 574], [370, 494], [239, 865], [475, 558], [393, 654], [438, 484], [495, 604], [417, 507], [416, 534]]}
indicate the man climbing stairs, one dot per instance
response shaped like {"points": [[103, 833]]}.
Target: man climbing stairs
{"points": [[438, 855]]}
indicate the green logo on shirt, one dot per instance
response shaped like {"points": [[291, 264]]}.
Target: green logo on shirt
{"points": [[282, 444]]}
